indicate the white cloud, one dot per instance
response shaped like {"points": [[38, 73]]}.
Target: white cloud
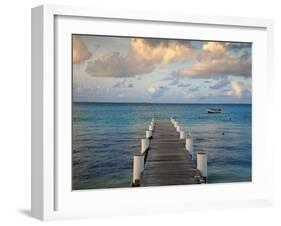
{"points": [[151, 90], [142, 57], [216, 49], [235, 89], [80, 51], [215, 60], [120, 95], [123, 84], [159, 51], [157, 92], [222, 83]]}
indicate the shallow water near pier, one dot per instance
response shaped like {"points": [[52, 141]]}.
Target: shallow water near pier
{"points": [[107, 135]]}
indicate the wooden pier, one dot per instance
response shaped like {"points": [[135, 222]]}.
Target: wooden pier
{"points": [[167, 161]]}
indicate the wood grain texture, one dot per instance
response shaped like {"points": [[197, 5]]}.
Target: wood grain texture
{"points": [[167, 161]]}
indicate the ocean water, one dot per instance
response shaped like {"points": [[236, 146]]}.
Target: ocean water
{"points": [[107, 135]]}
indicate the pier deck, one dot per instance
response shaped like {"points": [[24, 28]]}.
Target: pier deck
{"points": [[167, 161]]}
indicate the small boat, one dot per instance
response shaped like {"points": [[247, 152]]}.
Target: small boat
{"points": [[214, 110]]}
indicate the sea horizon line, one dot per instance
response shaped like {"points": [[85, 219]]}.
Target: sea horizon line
{"points": [[176, 103]]}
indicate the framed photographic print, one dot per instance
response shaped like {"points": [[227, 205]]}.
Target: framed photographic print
{"points": [[137, 112]]}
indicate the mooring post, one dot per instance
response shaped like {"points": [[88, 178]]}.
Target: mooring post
{"points": [[182, 135], [178, 128], [152, 124], [138, 167], [151, 127], [189, 145], [148, 134], [144, 145], [202, 165], [175, 124]]}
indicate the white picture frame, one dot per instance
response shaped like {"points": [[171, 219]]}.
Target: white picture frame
{"points": [[51, 196]]}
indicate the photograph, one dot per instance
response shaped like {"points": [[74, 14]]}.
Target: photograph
{"points": [[150, 111]]}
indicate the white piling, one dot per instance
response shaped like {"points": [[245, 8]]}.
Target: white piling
{"points": [[178, 128], [148, 134], [144, 145], [182, 135], [176, 124], [152, 124], [189, 145], [151, 127], [137, 169], [202, 164]]}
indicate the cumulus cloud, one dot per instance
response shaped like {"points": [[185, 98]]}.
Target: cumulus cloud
{"points": [[221, 84], [245, 55], [194, 89], [123, 84], [183, 85], [235, 89], [214, 49], [215, 60], [174, 82], [157, 92], [151, 89], [80, 51], [116, 65], [120, 95], [237, 46], [160, 51], [142, 58]]}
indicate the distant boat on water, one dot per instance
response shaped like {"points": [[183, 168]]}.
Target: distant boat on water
{"points": [[214, 110]]}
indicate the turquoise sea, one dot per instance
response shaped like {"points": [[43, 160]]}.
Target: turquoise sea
{"points": [[107, 135]]}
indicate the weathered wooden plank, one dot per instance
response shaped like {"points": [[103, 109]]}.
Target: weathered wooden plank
{"points": [[167, 161]]}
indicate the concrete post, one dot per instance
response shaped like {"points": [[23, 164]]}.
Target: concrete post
{"points": [[148, 134], [144, 145], [137, 169], [202, 164], [182, 135]]}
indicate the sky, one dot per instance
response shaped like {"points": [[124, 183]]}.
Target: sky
{"points": [[150, 70]]}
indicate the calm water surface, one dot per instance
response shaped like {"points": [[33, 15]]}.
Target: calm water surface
{"points": [[106, 136]]}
